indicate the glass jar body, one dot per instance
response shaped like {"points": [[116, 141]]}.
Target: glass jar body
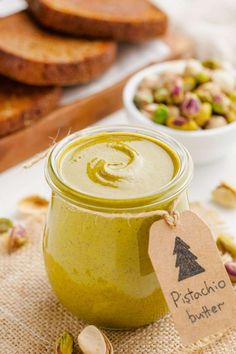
{"points": [[98, 265]]}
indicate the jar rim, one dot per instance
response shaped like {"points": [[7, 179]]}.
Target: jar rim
{"points": [[166, 194]]}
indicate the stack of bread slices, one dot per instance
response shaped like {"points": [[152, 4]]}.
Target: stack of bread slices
{"points": [[57, 43]]}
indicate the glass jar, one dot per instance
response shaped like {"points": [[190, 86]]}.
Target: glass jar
{"points": [[96, 250]]}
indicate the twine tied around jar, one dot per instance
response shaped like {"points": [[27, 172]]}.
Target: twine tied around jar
{"points": [[171, 216]]}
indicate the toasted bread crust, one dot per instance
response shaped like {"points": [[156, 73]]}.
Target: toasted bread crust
{"points": [[133, 28], [87, 61], [21, 104]]}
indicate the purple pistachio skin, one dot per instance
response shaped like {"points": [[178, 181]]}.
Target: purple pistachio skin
{"points": [[177, 89], [18, 237], [190, 105], [180, 121], [231, 270]]}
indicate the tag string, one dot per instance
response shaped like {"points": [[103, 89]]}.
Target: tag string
{"points": [[44, 154], [171, 216]]}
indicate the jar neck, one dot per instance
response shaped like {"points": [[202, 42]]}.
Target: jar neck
{"points": [[158, 200]]}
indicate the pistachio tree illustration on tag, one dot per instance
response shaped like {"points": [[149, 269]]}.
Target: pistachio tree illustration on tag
{"points": [[192, 277]]}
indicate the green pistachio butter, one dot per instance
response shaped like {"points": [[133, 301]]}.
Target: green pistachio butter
{"points": [[97, 262]]}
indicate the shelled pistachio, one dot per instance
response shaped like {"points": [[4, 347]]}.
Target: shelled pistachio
{"points": [[225, 195], [203, 92], [65, 344], [17, 238], [32, 204]]}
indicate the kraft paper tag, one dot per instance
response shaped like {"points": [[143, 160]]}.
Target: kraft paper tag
{"points": [[192, 276]]}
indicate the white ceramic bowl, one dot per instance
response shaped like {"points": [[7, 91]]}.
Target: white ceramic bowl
{"points": [[204, 145]]}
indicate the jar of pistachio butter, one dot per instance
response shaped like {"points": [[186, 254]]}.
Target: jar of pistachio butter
{"points": [[107, 184]]}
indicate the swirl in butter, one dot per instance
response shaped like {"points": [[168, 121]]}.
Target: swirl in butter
{"points": [[117, 166]]}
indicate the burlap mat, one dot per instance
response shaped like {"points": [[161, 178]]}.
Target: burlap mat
{"points": [[31, 318]]}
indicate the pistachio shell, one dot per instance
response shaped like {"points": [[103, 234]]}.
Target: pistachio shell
{"points": [[92, 341], [17, 238], [5, 225], [161, 94], [224, 79], [216, 122], [203, 76], [181, 123], [143, 97], [204, 114], [193, 67], [109, 345], [33, 204], [65, 344], [212, 63], [231, 270], [225, 195], [150, 82], [191, 105], [225, 243], [149, 109]]}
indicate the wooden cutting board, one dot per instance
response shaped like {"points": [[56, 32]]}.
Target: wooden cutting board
{"points": [[25, 143]]}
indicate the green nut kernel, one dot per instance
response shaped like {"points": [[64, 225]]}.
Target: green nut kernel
{"points": [[161, 95], [161, 114], [212, 64], [220, 104], [231, 116], [174, 111], [65, 344], [232, 96], [189, 83], [204, 114], [181, 123], [5, 225], [225, 243], [203, 77], [142, 98], [149, 109]]}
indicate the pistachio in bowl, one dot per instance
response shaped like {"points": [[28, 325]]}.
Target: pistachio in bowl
{"points": [[194, 101], [202, 96]]}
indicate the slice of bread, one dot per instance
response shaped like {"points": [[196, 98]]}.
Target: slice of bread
{"points": [[122, 20], [21, 104], [34, 56]]}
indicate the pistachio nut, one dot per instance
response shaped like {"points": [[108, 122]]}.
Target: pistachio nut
{"points": [[231, 270], [224, 79], [203, 76], [5, 225], [231, 116], [191, 105], [17, 238], [32, 205], [189, 83], [216, 122], [181, 123], [220, 103], [225, 195], [225, 243], [149, 82], [174, 111], [143, 97], [212, 64], [149, 109], [93, 341], [65, 344], [193, 67], [204, 114], [161, 94], [160, 114]]}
